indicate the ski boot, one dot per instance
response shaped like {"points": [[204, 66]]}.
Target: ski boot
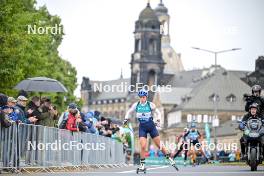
{"points": [[141, 167], [172, 162]]}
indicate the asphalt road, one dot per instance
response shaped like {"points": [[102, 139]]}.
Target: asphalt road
{"points": [[203, 170]]}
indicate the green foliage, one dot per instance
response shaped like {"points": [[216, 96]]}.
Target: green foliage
{"points": [[24, 55], [128, 139]]}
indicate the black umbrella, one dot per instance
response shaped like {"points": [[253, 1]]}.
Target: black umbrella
{"points": [[40, 84]]}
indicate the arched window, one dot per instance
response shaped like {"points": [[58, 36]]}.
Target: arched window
{"points": [[214, 97], [231, 98], [152, 46], [138, 45]]}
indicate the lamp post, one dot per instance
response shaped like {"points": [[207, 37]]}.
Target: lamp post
{"points": [[216, 97]]}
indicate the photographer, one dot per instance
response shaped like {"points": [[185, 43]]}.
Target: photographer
{"points": [[254, 98]]}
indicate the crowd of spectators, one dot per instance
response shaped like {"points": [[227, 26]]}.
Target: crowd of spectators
{"points": [[22, 110], [92, 122], [41, 111]]}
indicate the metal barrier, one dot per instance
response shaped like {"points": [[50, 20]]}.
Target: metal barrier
{"points": [[34, 146]]}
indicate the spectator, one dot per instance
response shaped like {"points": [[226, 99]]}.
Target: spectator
{"points": [[9, 111], [64, 116], [72, 120], [80, 123], [159, 153], [238, 155], [11, 102], [48, 112], [35, 111], [232, 156], [222, 153], [152, 151], [89, 121], [105, 128], [3, 99], [5, 122], [114, 128], [21, 113]]}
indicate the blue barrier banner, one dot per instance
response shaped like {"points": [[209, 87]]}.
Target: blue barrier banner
{"points": [[207, 133], [163, 161]]}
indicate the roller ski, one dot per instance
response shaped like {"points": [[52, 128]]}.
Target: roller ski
{"points": [[141, 168], [172, 162]]}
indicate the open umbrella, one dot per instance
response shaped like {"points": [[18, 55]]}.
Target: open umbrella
{"points": [[40, 84]]}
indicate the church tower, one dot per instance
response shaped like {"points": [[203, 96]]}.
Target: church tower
{"points": [[147, 64], [172, 59]]}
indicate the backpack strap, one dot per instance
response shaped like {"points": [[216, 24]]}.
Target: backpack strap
{"points": [[151, 110], [137, 106]]}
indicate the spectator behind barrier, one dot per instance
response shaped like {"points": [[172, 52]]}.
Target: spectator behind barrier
{"points": [[10, 113], [64, 116], [11, 102], [48, 112], [21, 112], [72, 120], [4, 120], [34, 110], [89, 122]]}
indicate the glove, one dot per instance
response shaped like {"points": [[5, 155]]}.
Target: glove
{"points": [[157, 123], [125, 122], [242, 126]]}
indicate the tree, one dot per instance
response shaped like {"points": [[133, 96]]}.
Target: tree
{"points": [[24, 54]]}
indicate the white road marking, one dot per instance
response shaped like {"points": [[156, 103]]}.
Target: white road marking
{"points": [[161, 167]]}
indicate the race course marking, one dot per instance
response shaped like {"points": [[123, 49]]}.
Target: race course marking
{"points": [[161, 167]]}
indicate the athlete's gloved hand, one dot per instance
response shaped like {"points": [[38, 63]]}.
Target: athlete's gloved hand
{"points": [[157, 123], [125, 122]]}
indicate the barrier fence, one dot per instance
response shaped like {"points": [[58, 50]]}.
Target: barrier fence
{"points": [[33, 146]]}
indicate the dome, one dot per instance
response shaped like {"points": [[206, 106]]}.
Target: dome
{"points": [[148, 14], [161, 8]]}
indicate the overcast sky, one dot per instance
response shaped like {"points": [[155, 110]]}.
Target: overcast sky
{"points": [[99, 37]]}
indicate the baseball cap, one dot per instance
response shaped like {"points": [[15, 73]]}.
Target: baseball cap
{"points": [[72, 106], [11, 99], [22, 98]]}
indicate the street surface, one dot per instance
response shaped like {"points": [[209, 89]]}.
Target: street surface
{"points": [[203, 170]]}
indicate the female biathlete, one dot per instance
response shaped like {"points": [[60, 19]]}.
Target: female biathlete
{"points": [[144, 114]]}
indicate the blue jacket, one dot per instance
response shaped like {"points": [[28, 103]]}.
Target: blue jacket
{"points": [[21, 114]]}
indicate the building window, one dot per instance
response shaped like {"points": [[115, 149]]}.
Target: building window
{"points": [[138, 45], [152, 46], [110, 101], [105, 102], [231, 98], [214, 97]]}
